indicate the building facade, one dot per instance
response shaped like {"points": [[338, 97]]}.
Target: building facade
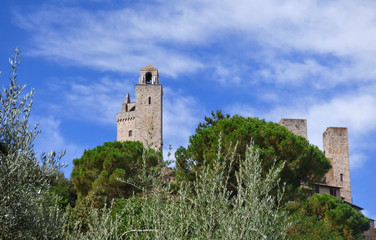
{"points": [[142, 120]]}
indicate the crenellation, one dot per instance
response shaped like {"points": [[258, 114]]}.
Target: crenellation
{"points": [[142, 120]]}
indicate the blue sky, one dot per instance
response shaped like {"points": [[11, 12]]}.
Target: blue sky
{"points": [[270, 59]]}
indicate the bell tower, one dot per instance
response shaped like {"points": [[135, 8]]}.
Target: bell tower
{"points": [[142, 120], [149, 108]]}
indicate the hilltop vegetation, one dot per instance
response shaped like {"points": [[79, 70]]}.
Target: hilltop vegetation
{"points": [[111, 170], [228, 184], [304, 163]]}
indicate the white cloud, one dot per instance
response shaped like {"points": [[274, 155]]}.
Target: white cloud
{"points": [[357, 159], [51, 139], [180, 118], [356, 111], [95, 101], [293, 43], [242, 109], [99, 101], [171, 34]]}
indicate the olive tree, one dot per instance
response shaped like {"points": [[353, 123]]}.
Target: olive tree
{"points": [[27, 208], [202, 209]]}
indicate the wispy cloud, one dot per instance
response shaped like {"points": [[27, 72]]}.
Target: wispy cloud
{"points": [[354, 110], [99, 101], [180, 118], [125, 38], [95, 101], [51, 139]]}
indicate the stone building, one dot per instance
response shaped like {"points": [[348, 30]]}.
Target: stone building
{"points": [[142, 120], [336, 149]]}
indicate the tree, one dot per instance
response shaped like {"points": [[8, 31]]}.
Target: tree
{"points": [[64, 188], [309, 227], [27, 208], [203, 209], [110, 170], [305, 163], [323, 211], [211, 121], [206, 208]]}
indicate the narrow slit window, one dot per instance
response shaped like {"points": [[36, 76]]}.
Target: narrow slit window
{"points": [[149, 100], [341, 177], [130, 133]]}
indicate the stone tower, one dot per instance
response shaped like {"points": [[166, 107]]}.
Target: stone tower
{"points": [[142, 120], [336, 149], [296, 126]]}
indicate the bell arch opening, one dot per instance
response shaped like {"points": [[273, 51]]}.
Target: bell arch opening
{"points": [[148, 78]]}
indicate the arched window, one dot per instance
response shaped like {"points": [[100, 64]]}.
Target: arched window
{"points": [[149, 100], [130, 133], [148, 78]]}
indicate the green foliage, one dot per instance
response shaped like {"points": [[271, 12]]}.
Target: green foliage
{"points": [[27, 207], [95, 224], [109, 171], [211, 121], [132, 212], [325, 210], [64, 189], [304, 162], [204, 209], [309, 227]]}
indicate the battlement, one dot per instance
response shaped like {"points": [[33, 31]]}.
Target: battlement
{"points": [[125, 116], [142, 120]]}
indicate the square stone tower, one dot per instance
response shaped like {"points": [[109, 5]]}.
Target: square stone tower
{"points": [[296, 126], [142, 120], [336, 149]]}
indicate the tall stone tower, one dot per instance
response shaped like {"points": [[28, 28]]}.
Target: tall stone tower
{"points": [[142, 120], [296, 126], [336, 149]]}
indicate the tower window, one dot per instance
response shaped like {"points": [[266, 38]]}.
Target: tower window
{"points": [[148, 78], [341, 177], [130, 133], [149, 100]]}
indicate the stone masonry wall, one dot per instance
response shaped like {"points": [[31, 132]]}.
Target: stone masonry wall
{"points": [[125, 123], [336, 149], [297, 126], [149, 116]]}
